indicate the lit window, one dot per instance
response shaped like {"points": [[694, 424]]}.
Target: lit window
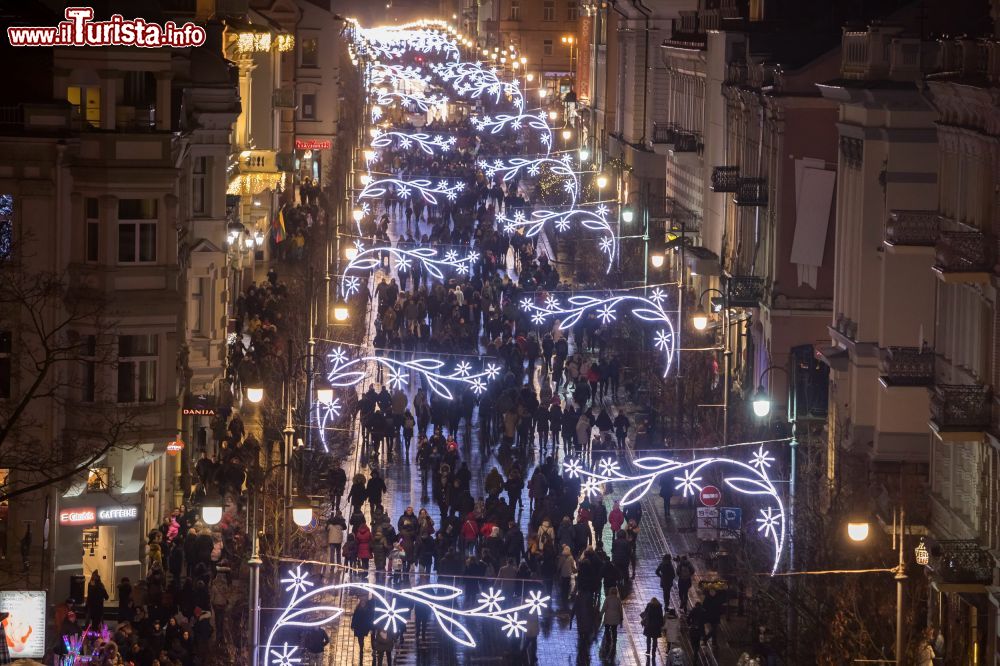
{"points": [[137, 220], [86, 103], [99, 479], [138, 356]]}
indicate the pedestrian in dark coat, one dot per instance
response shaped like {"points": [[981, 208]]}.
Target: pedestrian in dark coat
{"points": [[97, 594], [652, 625], [666, 574]]}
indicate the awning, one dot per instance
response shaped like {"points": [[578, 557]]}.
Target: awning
{"points": [[835, 357]]}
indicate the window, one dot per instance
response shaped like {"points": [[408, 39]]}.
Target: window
{"points": [[137, 360], [92, 213], [86, 102], [572, 11], [136, 236], [549, 10], [515, 10], [197, 306], [6, 339], [199, 183], [99, 479], [88, 374], [547, 47], [6, 226], [308, 108], [310, 53]]}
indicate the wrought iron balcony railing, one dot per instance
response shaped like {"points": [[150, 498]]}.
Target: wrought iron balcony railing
{"points": [[961, 406], [664, 132], [725, 178], [964, 252], [908, 366], [687, 142], [913, 227], [744, 291], [751, 192], [961, 562]]}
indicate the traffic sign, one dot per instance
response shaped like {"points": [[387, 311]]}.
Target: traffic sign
{"points": [[707, 523], [710, 496], [730, 521]]}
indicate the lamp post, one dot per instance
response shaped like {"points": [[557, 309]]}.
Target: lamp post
{"points": [[699, 319]]}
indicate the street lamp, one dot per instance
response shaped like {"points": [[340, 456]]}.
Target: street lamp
{"points": [[357, 214], [542, 92], [657, 260], [857, 530], [211, 509], [324, 393], [699, 318], [340, 311], [302, 511], [566, 134], [627, 216], [584, 154], [761, 401], [553, 115], [602, 181], [255, 393]]}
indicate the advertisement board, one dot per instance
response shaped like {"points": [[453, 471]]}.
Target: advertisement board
{"points": [[25, 627]]}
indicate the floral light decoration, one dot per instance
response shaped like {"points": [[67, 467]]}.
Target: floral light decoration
{"points": [[308, 608], [509, 169], [325, 414], [406, 140], [345, 372], [406, 188], [595, 220], [431, 262], [644, 308], [535, 121], [745, 478], [411, 101], [472, 79]]}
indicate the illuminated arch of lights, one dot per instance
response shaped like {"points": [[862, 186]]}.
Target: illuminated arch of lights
{"points": [[472, 79], [750, 478], [647, 309], [535, 121], [410, 101], [346, 372], [424, 187], [433, 264], [509, 169], [596, 220], [308, 607], [406, 140]]}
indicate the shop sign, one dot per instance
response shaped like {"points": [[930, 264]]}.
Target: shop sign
{"points": [[25, 628], [198, 404], [175, 446], [81, 515], [112, 515], [313, 144]]}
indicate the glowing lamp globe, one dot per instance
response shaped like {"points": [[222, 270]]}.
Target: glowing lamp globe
{"points": [[369, 155], [302, 512], [657, 260], [602, 181], [324, 395], [553, 115], [255, 394], [542, 93], [566, 134], [761, 403], [340, 312], [531, 77], [211, 510], [858, 531], [351, 252], [357, 214], [584, 154], [699, 319], [627, 215]]}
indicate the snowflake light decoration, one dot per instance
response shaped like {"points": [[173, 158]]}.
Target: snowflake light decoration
{"points": [[427, 190], [742, 477], [371, 259], [426, 142], [761, 458], [351, 372], [326, 413], [311, 609], [297, 581], [589, 220], [533, 121], [605, 308]]}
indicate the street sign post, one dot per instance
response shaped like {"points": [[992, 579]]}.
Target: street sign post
{"points": [[708, 523], [730, 522]]}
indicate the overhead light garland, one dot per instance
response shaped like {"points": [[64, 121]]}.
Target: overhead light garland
{"points": [[429, 259], [509, 169], [606, 309], [751, 479], [308, 607], [535, 121], [345, 372], [471, 79], [427, 190], [406, 140], [410, 101], [596, 220]]}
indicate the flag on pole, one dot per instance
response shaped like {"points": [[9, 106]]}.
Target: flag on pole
{"points": [[279, 226]]}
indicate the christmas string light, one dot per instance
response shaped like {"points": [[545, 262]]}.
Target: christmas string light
{"points": [[647, 309], [509, 169], [596, 220], [405, 189], [325, 413], [535, 121], [422, 140], [410, 101], [346, 372], [473, 80], [749, 479], [431, 262], [308, 608]]}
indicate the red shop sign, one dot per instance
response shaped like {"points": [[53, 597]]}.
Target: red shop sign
{"points": [[313, 144], [81, 515]]}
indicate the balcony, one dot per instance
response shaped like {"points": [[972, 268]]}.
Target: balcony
{"points": [[725, 178], [960, 412], [913, 227], [687, 142], [744, 291], [751, 192], [964, 256], [254, 172], [907, 366], [664, 132], [960, 566]]}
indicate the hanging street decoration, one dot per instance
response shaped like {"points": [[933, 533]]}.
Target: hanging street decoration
{"points": [[405, 189], [596, 220], [406, 140], [647, 309], [325, 414], [509, 169], [687, 476], [502, 121], [309, 607], [471, 79]]}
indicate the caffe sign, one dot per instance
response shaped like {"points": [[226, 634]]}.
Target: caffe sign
{"points": [[112, 515]]}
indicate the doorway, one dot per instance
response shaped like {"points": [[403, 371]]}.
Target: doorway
{"points": [[99, 556]]}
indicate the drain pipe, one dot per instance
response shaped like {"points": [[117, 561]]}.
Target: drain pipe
{"points": [[647, 13]]}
